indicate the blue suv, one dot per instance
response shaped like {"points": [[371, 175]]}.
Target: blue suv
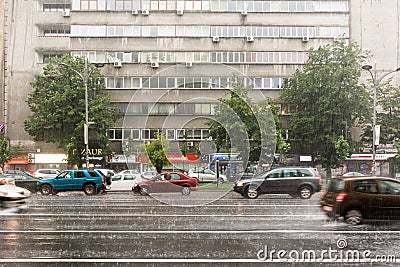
{"points": [[89, 181]]}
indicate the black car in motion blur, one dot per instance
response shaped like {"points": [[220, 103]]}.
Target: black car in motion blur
{"points": [[24, 180], [295, 181]]}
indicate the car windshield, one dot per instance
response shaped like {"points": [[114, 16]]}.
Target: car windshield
{"points": [[335, 185]]}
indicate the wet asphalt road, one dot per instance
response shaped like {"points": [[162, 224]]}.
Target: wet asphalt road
{"points": [[122, 229]]}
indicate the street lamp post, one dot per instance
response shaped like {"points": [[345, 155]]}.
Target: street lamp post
{"points": [[376, 81], [85, 78]]}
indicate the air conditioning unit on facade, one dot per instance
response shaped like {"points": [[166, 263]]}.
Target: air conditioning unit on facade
{"points": [[145, 12], [117, 64], [66, 13], [215, 39], [155, 65], [135, 12], [305, 39], [189, 143], [179, 12], [188, 64], [250, 39]]}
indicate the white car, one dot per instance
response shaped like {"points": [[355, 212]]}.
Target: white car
{"points": [[149, 174], [46, 173], [206, 175], [129, 172], [13, 196], [124, 182]]}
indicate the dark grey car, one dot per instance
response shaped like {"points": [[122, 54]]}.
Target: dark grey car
{"points": [[295, 181]]}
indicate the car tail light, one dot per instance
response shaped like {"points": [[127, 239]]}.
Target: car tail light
{"points": [[319, 180], [3, 181], [341, 197]]}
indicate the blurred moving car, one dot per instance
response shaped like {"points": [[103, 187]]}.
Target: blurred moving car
{"points": [[124, 182], [359, 198], [295, 181], [13, 196], [149, 174], [24, 180], [206, 175], [6, 180], [46, 173], [167, 182]]}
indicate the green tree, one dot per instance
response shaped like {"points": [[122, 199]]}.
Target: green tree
{"points": [[5, 153], [156, 150], [388, 117], [238, 118], [57, 102], [329, 102]]}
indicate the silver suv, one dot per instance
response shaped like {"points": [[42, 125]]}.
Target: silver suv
{"points": [[46, 173], [295, 181]]}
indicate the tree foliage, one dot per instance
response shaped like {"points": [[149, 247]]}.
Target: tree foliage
{"points": [[242, 126], [5, 154], [329, 101], [157, 151], [57, 103]]}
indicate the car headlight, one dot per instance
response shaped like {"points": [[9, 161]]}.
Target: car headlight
{"points": [[240, 184]]}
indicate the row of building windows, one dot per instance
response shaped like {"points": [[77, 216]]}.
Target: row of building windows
{"points": [[139, 108], [55, 7], [160, 82], [185, 57], [213, 5], [187, 108], [208, 31], [151, 134]]}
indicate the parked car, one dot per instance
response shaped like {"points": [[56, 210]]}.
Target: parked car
{"points": [[13, 196], [106, 172], [359, 198], [25, 180], [90, 182], [46, 173], [129, 172], [206, 175], [295, 181], [124, 182], [149, 174], [167, 182], [243, 175], [353, 174]]}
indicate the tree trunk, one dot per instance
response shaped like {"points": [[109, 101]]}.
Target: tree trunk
{"points": [[328, 175]]}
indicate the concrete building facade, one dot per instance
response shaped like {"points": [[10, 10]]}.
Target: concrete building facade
{"points": [[168, 61]]}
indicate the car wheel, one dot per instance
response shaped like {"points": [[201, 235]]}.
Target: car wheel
{"points": [[144, 191], [46, 189], [90, 189], [221, 180], [305, 192], [353, 217], [251, 193], [186, 190]]}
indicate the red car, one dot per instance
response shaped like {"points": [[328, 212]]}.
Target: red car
{"points": [[167, 182]]}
